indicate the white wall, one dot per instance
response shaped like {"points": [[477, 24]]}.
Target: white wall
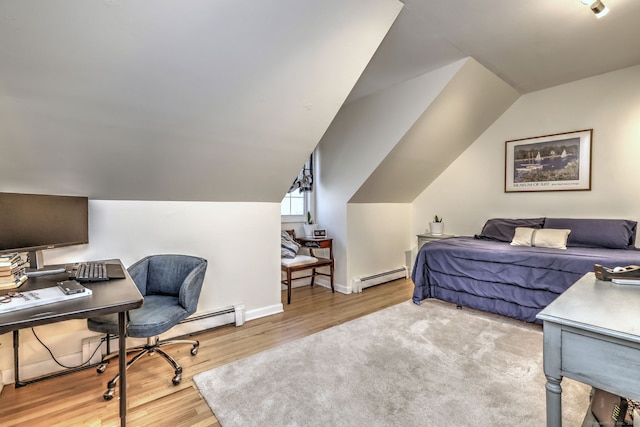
{"points": [[471, 189], [239, 240], [359, 138], [377, 238]]}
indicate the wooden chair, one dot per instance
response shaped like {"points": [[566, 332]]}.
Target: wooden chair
{"points": [[305, 264]]}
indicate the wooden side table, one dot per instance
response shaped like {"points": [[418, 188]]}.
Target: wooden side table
{"points": [[428, 237], [312, 243]]}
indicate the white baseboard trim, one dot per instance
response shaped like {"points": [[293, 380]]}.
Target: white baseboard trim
{"points": [[264, 311], [337, 286]]}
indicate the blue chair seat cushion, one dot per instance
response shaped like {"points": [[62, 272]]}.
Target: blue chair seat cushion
{"points": [[158, 314]]}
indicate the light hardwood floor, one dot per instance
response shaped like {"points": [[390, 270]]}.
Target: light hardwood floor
{"points": [[76, 399]]}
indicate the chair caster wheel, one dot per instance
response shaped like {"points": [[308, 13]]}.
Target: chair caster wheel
{"points": [[108, 394], [100, 369], [194, 350], [176, 380]]}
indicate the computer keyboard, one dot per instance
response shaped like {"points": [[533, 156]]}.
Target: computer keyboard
{"points": [[91, 271]]}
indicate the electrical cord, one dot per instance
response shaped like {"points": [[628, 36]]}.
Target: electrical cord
{"points": [[102, 340]]}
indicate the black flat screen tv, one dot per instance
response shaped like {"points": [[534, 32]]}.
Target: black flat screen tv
{"points": [[34, 222]]}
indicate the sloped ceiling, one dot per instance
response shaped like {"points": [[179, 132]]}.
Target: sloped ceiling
{"points": [[472, 100], [175, 99], [525, 45], [531, 45], [223, 101]]}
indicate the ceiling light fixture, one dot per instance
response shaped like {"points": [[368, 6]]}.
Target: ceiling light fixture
{"points": [[597, 7]]}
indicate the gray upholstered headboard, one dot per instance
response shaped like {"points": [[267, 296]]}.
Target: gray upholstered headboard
{"points": [[585, 232]]}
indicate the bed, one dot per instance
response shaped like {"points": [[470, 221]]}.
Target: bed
{"points": [[487, 272]]}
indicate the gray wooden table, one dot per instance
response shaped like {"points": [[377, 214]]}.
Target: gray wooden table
{"points": [[592, 335]]}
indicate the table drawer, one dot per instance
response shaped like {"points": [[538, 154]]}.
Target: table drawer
{"points": [[602, 362]]}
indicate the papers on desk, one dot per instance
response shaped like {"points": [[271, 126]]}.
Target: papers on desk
{"points": [[38, 297], [626, 281]]}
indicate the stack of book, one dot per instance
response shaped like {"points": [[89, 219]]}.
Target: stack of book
{"points": [[12, 271]]}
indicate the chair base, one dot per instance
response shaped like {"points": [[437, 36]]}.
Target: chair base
{"points": [[153, 346]]}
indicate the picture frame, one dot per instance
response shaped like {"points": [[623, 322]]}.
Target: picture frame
{"points": [[557, 162], [319, 233]]}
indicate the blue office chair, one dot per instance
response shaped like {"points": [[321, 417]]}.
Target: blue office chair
{"points": [[170, 285]]}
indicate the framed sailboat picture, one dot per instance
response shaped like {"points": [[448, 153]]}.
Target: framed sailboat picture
{"points": [[558, 162]]}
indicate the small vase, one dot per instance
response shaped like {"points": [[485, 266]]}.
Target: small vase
{"points": [[308, 229], [436, 228]]}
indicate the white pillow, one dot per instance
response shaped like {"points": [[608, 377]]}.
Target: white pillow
{"points": [[554, 238], [298, 260], [523, 236]]}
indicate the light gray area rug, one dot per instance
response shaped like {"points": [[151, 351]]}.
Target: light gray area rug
{"points": [[407, 365]]}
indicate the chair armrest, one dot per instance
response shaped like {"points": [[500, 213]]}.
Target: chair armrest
{"points": [[138, 272], [191, 287]]}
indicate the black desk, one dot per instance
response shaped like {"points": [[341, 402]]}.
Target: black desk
{"points": [[114, 296]]}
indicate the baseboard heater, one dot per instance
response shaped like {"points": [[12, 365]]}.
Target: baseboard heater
{"points": [[189, 326], [213, 319], [376, 279], [236, 310]]}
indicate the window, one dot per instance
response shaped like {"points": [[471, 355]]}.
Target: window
{"points": [[297, 202], [294, 203]]}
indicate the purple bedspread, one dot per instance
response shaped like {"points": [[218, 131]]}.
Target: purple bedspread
{"points": [[514, 281]]}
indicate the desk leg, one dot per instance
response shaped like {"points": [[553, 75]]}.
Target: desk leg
{"points": [[554, 402], [16, 367], [122, 359], [552, 356]]}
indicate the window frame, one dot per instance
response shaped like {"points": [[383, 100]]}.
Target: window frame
{"points": [[309, 199], [308, 207]]}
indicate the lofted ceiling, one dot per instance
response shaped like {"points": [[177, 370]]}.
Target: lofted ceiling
{"points": [[531, 45], [195, 100], [469, 103], [223, 101]]}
